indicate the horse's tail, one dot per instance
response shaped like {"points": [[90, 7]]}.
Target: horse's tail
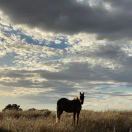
{"points": [[57, 109], [56, 117]]}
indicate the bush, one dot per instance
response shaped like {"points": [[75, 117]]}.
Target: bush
{"points": [[13, 107]]}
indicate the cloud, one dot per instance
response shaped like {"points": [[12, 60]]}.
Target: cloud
{"points": [[105, 18], [21, 92], [108, 103], [32, 80], [40, 74], [45, 87]]}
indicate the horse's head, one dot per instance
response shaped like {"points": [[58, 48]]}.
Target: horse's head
{"points": [[81, 97]]}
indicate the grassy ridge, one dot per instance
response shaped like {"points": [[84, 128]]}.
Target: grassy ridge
{"points": [[44, 121]]}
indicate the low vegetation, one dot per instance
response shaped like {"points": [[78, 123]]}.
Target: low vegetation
{"points": [[34, 120], [13, 107]]}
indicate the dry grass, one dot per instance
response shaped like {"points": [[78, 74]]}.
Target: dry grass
{"points": [[44, 121]]}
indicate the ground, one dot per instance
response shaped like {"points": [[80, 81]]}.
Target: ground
{"points": [[44, 121]]}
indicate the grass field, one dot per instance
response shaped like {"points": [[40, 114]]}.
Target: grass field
{"points": [[44, 121]]}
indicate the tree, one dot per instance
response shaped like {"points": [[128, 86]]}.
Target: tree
{"points": [[14, 107]]}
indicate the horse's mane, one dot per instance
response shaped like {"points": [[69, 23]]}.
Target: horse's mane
{"points": [[76, 98]]}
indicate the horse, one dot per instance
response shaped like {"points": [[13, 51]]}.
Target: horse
{"points": [[71, 106]]}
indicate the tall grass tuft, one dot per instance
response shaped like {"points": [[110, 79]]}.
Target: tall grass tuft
{"points": [[44, 121]]}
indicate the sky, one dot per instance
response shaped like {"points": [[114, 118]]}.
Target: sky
{"points": [[57, 48]]}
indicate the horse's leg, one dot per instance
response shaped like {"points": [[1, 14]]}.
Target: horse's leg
{"points": [[74, 118], [78, 116]]}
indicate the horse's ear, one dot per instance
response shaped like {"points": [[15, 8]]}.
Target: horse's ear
{"points": [[80, 93]]}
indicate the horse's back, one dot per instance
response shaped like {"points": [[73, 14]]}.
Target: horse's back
{"points": [[62, 101], [68, 105]]}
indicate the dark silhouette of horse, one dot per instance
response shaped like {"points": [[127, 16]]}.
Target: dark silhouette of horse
{"points": [[71, 106]]}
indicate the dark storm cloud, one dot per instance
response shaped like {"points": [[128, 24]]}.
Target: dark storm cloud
{"points": [[77, 72], [59, 86], [69, 16], [110, 51]]}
